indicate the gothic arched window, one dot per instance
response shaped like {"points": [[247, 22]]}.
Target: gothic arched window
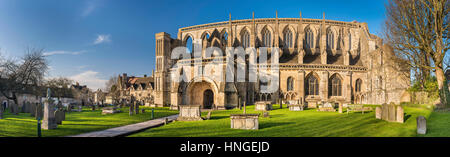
{"points": [[245, 39], [267, 38], [290, 84], [189, 44], [309, 39], [312, 85], [335, 86], [330, 39], [225, 39], [288, 43], [358, 85]]}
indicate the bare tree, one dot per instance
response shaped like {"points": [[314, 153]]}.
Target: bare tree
{"points": [[112, 89], [418, 30], [26, 74], [60, 86]]}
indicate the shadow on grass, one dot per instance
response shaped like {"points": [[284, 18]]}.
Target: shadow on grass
{"points": [[218, 117], [407, 116], [269, 124]]}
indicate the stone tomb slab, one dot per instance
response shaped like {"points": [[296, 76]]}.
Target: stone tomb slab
{"points": [[295, 107], [189, 113], [263, 106], [245, 121], [110, 110]]}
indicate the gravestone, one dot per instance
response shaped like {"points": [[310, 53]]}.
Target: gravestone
{"points": [[400, 114], [14, 108], [340, 108], [208, 116], [39, 112], [69, 107], [392, 113], [384, 112], [131, 111], [59, 116], [1, 111], [189, 113], [49, 121], [378, 112], [136, 107], [421, 125], [33, 109], [265, 114]]}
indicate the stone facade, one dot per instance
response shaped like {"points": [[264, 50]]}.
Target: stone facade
{"points": [[141, 88], [320, 61]]}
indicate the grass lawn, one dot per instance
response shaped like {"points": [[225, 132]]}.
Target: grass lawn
{"points": [[23, 125], [309, 123]]}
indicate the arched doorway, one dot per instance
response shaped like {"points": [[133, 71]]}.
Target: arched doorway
{"points": [[208, 99]]}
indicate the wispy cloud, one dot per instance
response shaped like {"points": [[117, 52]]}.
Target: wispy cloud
{"points": [[89, 7], [89, 78], [51, 53], [102, 38]]}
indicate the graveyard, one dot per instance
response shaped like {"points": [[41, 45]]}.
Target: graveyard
{"points": [[308, 123], [88, 120]]}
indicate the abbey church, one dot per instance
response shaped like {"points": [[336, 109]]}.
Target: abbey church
{"points": [[320, 61]]}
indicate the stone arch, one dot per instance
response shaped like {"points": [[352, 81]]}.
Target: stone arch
{"points": [[196, 88]]}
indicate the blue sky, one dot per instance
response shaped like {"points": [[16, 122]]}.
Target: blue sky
{"points": [[91, 40]]}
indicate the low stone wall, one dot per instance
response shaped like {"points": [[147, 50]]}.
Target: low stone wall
{"points": [[245, 121], [189, 113], [263, 106]]}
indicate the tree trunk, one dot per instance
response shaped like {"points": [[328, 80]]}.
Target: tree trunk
{"points": [[443, 92]]}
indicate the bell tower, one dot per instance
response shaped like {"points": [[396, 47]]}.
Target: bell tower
{"points": [[162, 53]]}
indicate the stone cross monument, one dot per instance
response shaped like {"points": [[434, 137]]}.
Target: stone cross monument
{"points": [[49, 121]]}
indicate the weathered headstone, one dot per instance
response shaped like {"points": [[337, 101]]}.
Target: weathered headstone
{"points": [[59, 116], [400, 114], [208, 116], [131, 112], [136, 107], [265, 114], [1, 111], [39, 112], [421, 125], [378, 112], [49, 121], [392, 113], [33, 109], [340, 108], [384, 111]]}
